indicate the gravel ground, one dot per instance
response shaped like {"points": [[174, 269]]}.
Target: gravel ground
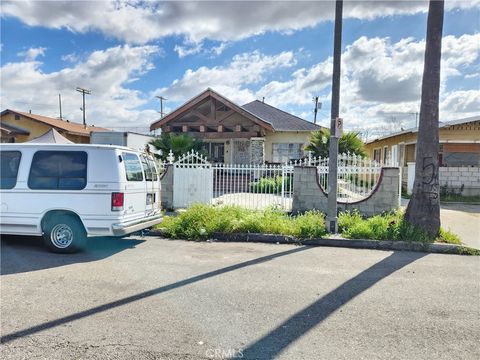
{"points": [[151, 298]]}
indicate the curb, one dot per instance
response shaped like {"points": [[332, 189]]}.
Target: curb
{"points": [[435, 248]]}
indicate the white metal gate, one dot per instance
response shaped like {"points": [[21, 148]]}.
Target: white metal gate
{"points": [[193, 179]]}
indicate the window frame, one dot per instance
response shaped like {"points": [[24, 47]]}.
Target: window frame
{"points": [[125, 166], [291, 151], [16, 174], [58, 188]]}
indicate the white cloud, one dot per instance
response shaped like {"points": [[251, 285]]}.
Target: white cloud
{"points": [[143, 21], [32, 53], [105, 72], [462, 102], [381, 80], [231, 80]]}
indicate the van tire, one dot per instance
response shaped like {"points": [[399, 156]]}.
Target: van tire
{"points": [[64, 234]]}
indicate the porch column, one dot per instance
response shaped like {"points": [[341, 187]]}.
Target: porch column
{"points": [[257, 151]]}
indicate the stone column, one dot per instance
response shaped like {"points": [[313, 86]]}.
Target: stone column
{"points": [[166, 189], [257, 151]]}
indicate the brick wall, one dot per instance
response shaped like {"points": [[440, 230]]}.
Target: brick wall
{"points": [[308, 195]]}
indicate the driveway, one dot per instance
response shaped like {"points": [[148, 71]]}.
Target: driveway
{"points": [[462, 219], [150, 298]]}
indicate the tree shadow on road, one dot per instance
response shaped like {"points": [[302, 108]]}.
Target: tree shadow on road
{"points": [[146, 294], [26, 253], [278, 339]]}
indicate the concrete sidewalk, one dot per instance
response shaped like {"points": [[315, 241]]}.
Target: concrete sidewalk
{"points": [[462, 219]]}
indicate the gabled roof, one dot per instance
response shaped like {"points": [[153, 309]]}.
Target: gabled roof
{"points": [[265, 115], [280, 120], [68, 126], [198, 99], [441, 125]]}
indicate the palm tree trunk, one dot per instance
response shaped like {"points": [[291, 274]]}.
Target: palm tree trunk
{"points": [[424, 207]]}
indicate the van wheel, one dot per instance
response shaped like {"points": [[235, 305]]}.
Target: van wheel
{"points": [[64, 234]]}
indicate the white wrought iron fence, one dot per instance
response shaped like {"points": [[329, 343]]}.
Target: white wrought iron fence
{"points": [[253, 186], [266, 185], [357, 177]]}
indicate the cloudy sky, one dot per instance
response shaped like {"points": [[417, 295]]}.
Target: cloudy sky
{"points": [[128, 52]]}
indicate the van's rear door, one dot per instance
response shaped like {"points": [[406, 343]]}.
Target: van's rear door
{"points": [[135, 197], [151, 186]]}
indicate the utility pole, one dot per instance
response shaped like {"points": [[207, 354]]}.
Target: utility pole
{"points": [[88, 92], [318, 106], [60, 105], [162, 114], [332, 220]]}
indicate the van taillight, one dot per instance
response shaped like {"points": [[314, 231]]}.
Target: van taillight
{"points": [[117, 201]]}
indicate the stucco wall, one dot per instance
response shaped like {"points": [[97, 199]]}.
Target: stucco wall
{"points": [[469, 132], [289, 137], [37, 129], [308, 195]]}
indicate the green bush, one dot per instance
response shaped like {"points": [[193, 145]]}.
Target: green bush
{"points": [[270, 185], [201, 221], [389, 226]]}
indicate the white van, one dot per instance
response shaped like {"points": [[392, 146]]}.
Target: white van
{"points": [[67, 192]]}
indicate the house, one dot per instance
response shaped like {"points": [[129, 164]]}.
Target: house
{"points": [[459, 156], [252, 133], [18, 126], [459, 144]]}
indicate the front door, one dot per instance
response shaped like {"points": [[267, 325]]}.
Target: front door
{"points": [[217, 153]]}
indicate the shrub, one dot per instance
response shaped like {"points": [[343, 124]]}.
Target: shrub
{"points": [[389, 226], [201, 221], [271, 185]]}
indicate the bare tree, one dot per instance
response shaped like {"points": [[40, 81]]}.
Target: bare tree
{"points": [[424, 207]]}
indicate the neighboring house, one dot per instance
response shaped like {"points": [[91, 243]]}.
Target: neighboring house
{"points": [[459, 144], [459, 155], [253, 133], [18, 126]]}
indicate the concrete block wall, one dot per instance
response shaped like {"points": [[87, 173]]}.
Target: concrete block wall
{"points": [[308, 195], [456, 177], [166, 193]]}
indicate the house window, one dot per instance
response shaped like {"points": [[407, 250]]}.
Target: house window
{"points": [[282, 152], [17, 117], [377, 153], [385, 154]]}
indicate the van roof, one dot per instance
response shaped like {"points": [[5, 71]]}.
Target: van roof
{"points": [[66, 146]]}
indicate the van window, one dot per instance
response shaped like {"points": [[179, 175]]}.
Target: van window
{"points": [[58, 170], [147, 169], [154, 169], [9, 161], [133, 169]]}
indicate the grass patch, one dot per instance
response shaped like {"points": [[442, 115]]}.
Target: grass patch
{"points": [[390, 226], [199, 222]]}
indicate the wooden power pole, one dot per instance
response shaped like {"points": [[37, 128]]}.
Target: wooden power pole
{"points": [[332, 221]]}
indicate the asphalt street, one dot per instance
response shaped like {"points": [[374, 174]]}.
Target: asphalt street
{"points": [[151, 298]]}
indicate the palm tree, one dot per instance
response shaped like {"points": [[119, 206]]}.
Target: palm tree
{"points": [[178, 144], [424, 207], [350, 142]]}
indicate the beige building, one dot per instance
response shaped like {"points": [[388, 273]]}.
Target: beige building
{"points": [[252, 133], [459, 144], [18, 126]]}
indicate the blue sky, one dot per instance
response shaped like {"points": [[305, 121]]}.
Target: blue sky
{"points": [[129, 52]]}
